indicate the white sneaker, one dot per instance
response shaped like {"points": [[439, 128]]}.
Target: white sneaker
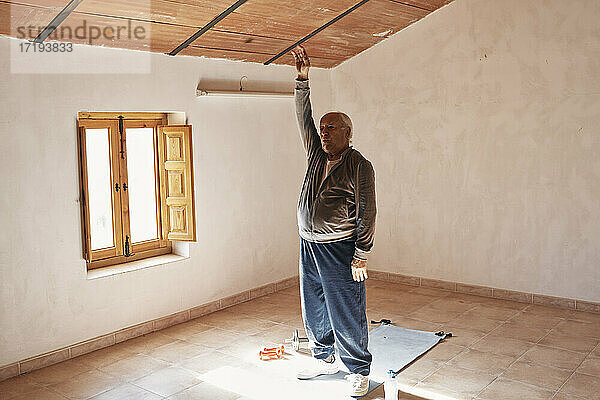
{"points": [[321, 367], [359, 384]]}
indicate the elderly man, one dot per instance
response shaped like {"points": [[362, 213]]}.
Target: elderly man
{"points": [[336, 220]]}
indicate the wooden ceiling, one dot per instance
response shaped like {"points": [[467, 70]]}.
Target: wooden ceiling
{"points": [[255, 31]]}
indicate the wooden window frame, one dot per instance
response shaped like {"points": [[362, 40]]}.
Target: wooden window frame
{"points": [[120, 199]]}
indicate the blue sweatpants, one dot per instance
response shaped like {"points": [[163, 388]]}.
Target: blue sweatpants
{"points": [[333, 304]]}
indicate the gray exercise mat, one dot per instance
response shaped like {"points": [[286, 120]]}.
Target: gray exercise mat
{"points": [[394, 348]]}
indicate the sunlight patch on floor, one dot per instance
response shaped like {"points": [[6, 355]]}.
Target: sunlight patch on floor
{"points": [[429, 394], [263, 384]]}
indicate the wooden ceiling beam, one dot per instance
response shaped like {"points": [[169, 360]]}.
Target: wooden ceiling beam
{"points": [[313, 33], [207, 27], [364, 28], [24, 21], [57, 21]]}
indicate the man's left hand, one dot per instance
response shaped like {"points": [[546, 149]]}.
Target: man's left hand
{"points": [[359, 269]]}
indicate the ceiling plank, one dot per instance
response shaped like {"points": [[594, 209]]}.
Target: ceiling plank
{"points": [[165, 11], [57, 4], [251, 57], [240, 42], [22, 21], [57, 20], [267, 26], [319, 11], [316, 31], [257, 44], [367, 26], [247, 56], [288, 59], [283, 20], [206, 27], [377, 19], [430, 5], [124, 33]]}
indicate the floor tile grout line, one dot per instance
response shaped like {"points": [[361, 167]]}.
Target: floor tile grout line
{"points": [[148, 390], [568, 379], [575, 370], [425, 305], [170, 365], [447, 362], [51, 390], [130, 381], [474, 306], [523, 383], [477, 341], [183, 390], [558, 348], [597, 346], [517, 360], [469, 348]]}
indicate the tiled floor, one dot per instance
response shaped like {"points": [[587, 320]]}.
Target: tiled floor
{"points": [[500, 350]]}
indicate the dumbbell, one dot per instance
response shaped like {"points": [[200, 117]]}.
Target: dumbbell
{"points": [[296, 340], [271, 353]]}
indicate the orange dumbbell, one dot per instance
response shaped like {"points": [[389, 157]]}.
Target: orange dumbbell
{"points": [[271, 353], [278, 349], [267, 356]]}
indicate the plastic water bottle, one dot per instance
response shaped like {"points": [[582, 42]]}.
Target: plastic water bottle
{"points": [[390, 386]]}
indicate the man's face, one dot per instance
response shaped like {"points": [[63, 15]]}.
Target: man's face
{"points": [[334, 135]]}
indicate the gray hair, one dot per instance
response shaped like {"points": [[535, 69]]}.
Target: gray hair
{"points": [[345, 120]]}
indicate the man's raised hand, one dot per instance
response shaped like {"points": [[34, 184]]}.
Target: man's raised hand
{"points": [[302, 62]]}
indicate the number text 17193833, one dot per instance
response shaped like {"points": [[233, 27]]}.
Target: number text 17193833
{"points": [[54, 47]]}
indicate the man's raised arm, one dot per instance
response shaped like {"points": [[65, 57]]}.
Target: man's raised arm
{"points": [[308, 130]]}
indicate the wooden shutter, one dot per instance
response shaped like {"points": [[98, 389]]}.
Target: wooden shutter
{"points": [[177, 181]]}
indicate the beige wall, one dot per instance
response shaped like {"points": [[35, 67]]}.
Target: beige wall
{"points": [[482, 123], [249, 165]]}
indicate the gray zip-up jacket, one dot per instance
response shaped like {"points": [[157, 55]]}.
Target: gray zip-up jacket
{"points": [[342, 206]]}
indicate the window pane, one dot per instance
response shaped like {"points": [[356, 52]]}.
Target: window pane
{"points": [[99, 188], [142, 184]]}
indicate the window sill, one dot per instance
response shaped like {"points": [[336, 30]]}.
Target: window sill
{"points": [[133, 266]]}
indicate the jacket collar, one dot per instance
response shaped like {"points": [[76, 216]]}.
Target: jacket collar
{"points": [[342, 156]]}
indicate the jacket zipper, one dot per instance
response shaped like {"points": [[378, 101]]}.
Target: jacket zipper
{"points": [[312, 219]]}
